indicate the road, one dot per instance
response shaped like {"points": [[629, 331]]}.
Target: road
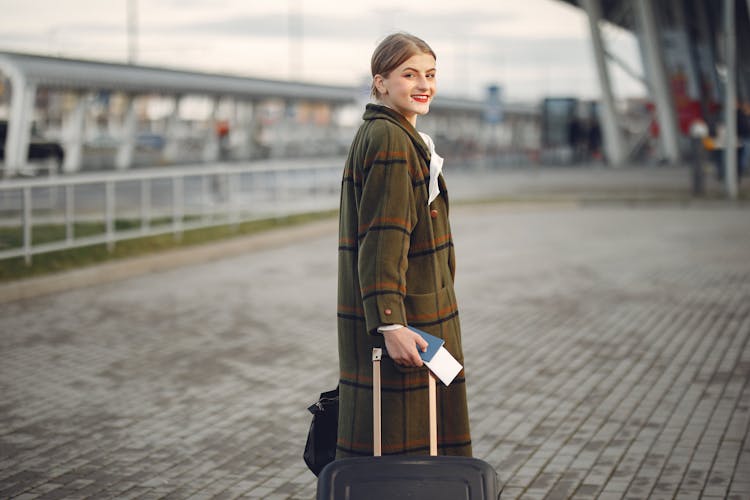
{"points": [[607, 356]]}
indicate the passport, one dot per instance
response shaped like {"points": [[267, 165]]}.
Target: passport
{"points": [[433, 344], [437, 358]]}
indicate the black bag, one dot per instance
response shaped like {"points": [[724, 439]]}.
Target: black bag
{"points": [[320, 449]]}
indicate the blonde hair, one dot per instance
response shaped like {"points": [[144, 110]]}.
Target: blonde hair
{"points": [[392, 52]]}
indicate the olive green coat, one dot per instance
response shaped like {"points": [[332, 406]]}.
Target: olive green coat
{"points": [[396, 265]]}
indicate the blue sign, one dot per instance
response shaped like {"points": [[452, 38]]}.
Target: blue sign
{"points": [[493, 110]]}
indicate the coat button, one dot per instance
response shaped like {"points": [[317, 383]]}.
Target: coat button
{"points": [[433, 213], [387, 311]]}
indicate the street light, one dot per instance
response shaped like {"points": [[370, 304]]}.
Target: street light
{"points": [[132, 21], [295, 39]]}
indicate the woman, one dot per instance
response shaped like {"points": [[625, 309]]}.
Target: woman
{"points": [[396, 265]]}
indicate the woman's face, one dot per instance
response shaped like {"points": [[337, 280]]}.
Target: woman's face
{"points": [[409, 89]]}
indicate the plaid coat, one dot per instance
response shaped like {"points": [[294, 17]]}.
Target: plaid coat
{"points": [[396, 265]]}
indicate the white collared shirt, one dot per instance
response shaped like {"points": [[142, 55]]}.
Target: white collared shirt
{"points": [[436, 166]]}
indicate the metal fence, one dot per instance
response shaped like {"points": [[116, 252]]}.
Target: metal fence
{"points": [[58, 213]]}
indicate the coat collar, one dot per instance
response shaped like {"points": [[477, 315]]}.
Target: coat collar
{"points": [[379, 112]]}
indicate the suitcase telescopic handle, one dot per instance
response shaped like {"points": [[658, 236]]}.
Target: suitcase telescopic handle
{"points": [[377, 417]]}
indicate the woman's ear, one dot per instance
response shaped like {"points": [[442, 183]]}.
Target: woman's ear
{"points": [[379, 83]]}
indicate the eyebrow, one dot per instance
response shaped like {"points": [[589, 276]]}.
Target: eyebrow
{"points": [[415, 69]]}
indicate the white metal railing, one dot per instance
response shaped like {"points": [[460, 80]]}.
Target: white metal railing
{"points": [[160, 201]]}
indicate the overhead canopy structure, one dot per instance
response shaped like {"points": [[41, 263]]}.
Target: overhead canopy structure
{"points": [[81, 74], [27, 73], [693, 70]]}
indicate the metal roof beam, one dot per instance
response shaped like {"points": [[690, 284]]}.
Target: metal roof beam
{"points": [[87, 75]]}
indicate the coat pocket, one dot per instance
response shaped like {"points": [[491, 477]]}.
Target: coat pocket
{"points": [[425, 309]]}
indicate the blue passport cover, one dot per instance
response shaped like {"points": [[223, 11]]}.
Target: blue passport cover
{"points": [[433, 344]]}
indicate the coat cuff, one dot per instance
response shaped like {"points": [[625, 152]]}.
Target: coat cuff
{"points": [[384, 310]]}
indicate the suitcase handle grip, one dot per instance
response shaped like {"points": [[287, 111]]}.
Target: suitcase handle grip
{"points": [[377, 417]]}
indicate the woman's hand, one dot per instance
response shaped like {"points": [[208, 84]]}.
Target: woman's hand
{"points": [[402, 345]]}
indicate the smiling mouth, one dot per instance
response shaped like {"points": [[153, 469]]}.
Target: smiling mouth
{"points": [[421, 98]]}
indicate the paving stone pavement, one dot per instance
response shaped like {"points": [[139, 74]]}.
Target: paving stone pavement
{"points": [[606, 348]]}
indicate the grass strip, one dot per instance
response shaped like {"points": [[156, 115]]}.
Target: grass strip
{"points": [[64, 260]]}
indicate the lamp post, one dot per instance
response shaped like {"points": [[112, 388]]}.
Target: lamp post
{"points": [[295, 39], [730, 102], [132, 17]]}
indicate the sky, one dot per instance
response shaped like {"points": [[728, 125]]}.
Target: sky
{"points": [[531, 48]]}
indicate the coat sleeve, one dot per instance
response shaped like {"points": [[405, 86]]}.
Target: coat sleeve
{"points": [[386, 217]]}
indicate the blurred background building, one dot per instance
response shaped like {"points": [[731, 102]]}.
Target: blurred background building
{"points": [[82, 114], [109, 116], [692, 70]]}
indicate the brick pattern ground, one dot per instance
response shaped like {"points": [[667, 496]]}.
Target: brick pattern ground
{"points": [[607, 357]]}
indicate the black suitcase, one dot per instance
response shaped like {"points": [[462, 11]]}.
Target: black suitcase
{"points": [[395, 477]]}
